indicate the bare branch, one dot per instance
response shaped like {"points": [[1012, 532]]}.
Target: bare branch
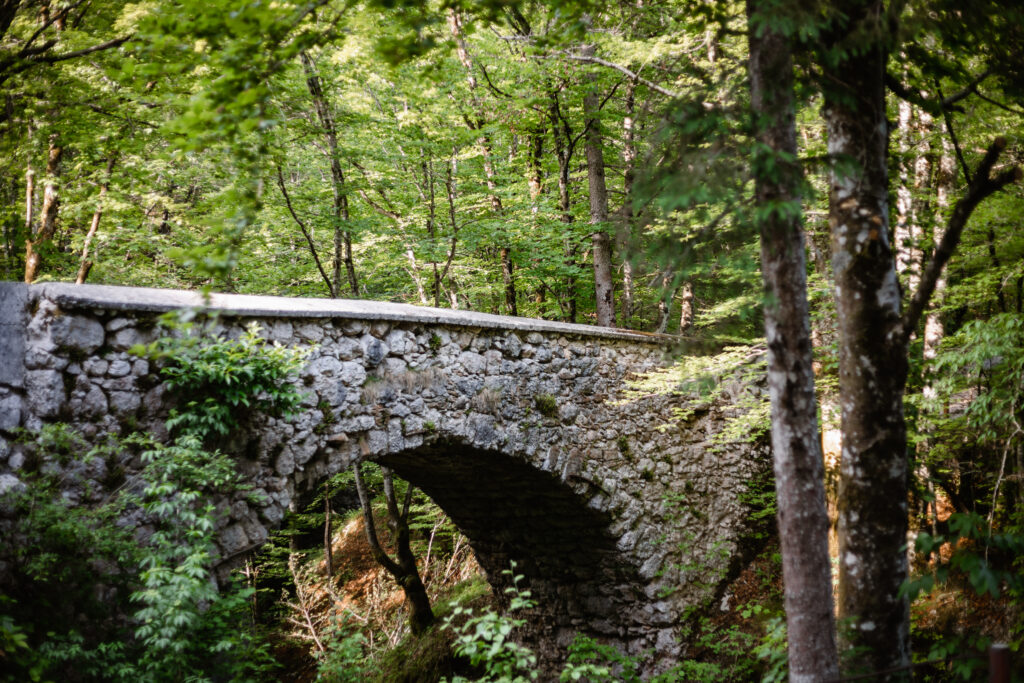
{"points": [[618, 67], [305, 231]]}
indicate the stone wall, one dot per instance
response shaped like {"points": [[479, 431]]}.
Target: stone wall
{"points": [[615, 506]]}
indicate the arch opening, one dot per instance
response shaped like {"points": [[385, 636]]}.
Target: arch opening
{"points": [[511, 511]]}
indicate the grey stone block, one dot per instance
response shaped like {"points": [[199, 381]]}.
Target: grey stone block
{"points": [[76, 332], [45, 391], [13, 319]]}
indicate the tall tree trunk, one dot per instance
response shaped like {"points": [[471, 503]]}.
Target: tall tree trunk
{"points": [[668, 292], [30, 202], [504, 250], [604, 286], [342, 236], [904, 236], [85, 265], [796, 445], [872, 364], [945, 181], [625, 231], [414, 272], [564, 148], [874, 337], [535, 183], [404, 570], [49, 212]]}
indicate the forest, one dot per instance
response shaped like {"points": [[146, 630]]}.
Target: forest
{"points": [[836, 183]]}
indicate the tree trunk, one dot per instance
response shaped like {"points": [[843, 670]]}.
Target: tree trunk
{"points": [[328, 533], [504, 251], [342, 236], [604, 287], [404, 570], [945, 181], [905, 234], [796, 444], [564, 148], [686, 312], [625, 231], [872, 363], [30, 199], [48, 213], [665, 301], [85, 265]]}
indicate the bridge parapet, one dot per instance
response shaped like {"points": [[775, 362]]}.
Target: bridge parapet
{"points": [[622, 510]]}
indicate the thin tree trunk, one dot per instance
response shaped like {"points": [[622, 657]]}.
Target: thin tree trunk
{"points": [[796, 445], [328, 533], [944, 183], [305, 232], [665, 302], [604, 286], [85, 264], [342, 236], [564, 148], [30, 198], [535, 183], [686, 309], [414, 273], [904, 234], [48, 213], [625, 232], [403, 570], [504, 250], [945, 179]]}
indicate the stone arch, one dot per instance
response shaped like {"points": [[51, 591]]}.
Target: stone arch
{"points": [[637, 485], [511, 511]]}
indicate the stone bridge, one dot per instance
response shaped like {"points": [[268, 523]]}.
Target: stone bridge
{"points": [[622, 507]]}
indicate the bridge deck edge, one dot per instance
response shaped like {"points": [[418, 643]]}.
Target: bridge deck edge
{"points": [[155, 300]]}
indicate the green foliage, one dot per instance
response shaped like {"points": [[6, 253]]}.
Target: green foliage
{"points": [[486, 639], [182, 627], [222, 379], [344, 660], [760, 498], [991, 561], [772, 651], [64, 563], [986, 356], [591, 661], [185, 624]]}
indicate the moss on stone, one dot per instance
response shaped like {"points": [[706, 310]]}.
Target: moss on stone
{"points": [[546, 404]]}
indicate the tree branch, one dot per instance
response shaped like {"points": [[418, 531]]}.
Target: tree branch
{"points": [[491, 85], [371, 529], [981, 187], [52, 59], [947, 118], [618, 67], [305, 232], [943, 104]]}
